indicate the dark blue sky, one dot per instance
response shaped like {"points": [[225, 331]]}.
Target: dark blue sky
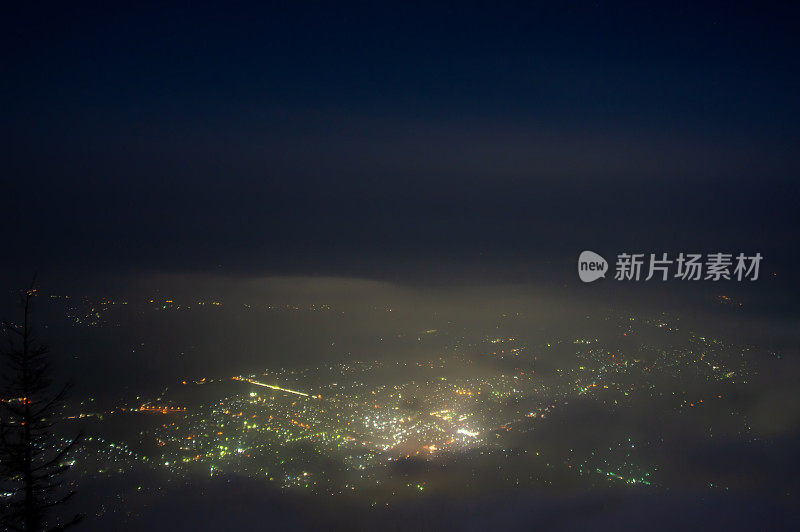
{"points": [[395, 141]]}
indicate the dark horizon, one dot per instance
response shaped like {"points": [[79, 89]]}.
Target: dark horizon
{"points": [[398, 144]]}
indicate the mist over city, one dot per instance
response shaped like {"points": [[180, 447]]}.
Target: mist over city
{"points": [[401, 267]]}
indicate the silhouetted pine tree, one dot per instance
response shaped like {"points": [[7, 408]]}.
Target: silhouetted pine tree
{"points": [[33, 457]]}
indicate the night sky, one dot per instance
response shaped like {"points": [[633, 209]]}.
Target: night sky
{"points": [[394, 142]]}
